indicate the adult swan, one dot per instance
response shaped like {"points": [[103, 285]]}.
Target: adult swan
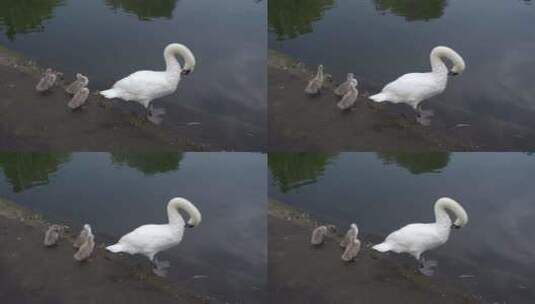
{"points": [[415, 239], [150, 239], [145, 86], [414, 88]]}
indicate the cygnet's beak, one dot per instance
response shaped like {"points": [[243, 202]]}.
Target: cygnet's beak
{"points": [[452, 73], [185, 72], [188, 225], [453, 226]]}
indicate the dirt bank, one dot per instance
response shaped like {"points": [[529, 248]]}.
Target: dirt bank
{"points": [[299, 273], [298, 122], [33, 121], [31, 273]]}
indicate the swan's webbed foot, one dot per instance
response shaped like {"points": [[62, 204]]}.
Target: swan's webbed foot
{"points": [[160, 272], [426, 267], [424, 121], [160, 264], [159, 268], [154, 115], [423, 117], [163, 264], [426, 113]]}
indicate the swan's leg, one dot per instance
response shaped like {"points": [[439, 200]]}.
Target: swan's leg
{"points": [[427, 113], [160, 267], [423, 116], [424, 121], [154, 115], [426, 267], [160, 264], [160, 272], [424, 113], [163, 264]]}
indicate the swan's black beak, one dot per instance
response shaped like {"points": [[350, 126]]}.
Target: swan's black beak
{"points": [[451, 73], [188, 225], [185, 72], [453, 226]]}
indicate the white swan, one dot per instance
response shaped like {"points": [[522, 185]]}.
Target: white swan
{"points": [[413, 88], [315, 84], [415, 239], [145, 86], [150, 239]]}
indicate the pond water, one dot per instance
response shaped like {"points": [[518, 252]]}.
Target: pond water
{"points": [[383, 192], [118, 192], [109, 39], [379, 40]]}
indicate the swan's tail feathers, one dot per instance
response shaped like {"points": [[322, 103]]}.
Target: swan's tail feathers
{"points": [[383, 247], [379, 97], [111, 93], [115, 248]]}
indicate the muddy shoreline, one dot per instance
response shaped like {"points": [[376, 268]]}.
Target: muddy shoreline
{"points": [[31, 273], [299, 273], [30, 121], [297, 122]]}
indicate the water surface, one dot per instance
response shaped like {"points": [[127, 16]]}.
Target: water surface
{"points": [[382, 192], [380, 40], [119, 191], [109, 39]]}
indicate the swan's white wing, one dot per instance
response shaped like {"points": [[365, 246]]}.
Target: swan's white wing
{"points": [[146, 85], [152, 238], [414, 87], [416, 238]]}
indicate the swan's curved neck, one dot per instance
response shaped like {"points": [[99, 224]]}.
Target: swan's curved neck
{"points": [[442, 217], [172, 64], [174, 216], [437, 64], [177, 204], [437, 56]]}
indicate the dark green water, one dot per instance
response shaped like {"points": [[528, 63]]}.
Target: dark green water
{"points": [[385, 191], [118, 192], [379, 40], [109, 39]]}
